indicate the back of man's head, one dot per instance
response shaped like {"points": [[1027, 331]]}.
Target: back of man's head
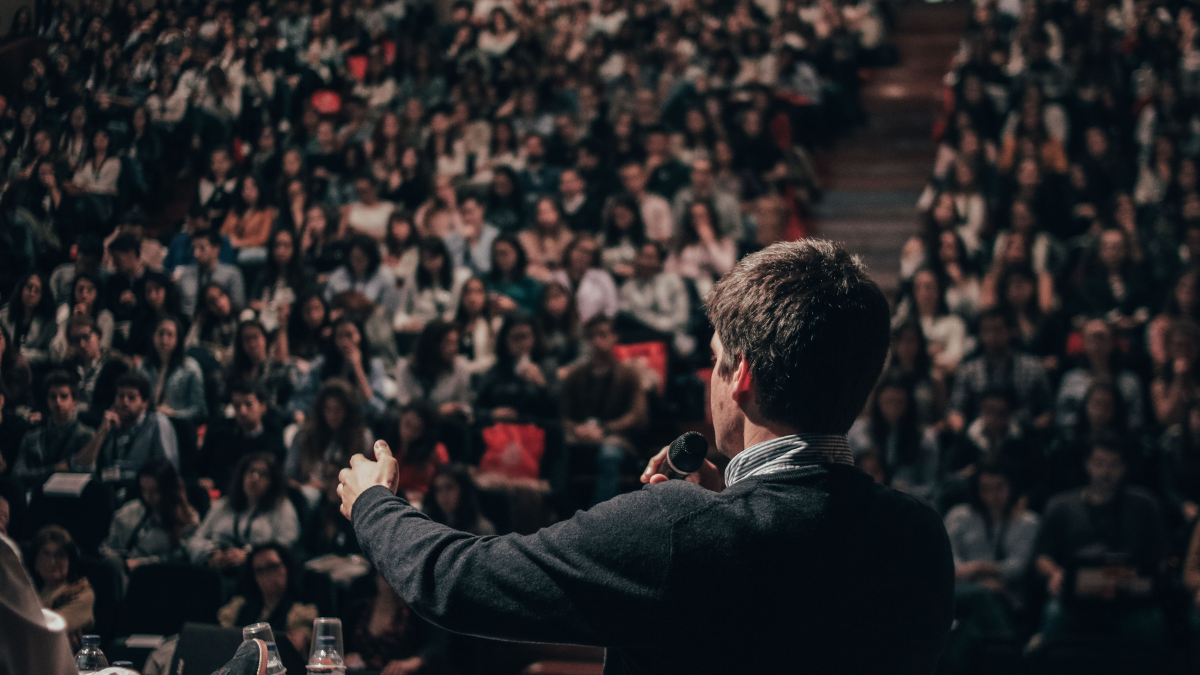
{"points": [[812, 327]]}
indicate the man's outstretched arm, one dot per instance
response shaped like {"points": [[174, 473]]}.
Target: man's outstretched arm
{"points": [[596, 579]]}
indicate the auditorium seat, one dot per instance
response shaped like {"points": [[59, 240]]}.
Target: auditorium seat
{"points": [[107, 585]]}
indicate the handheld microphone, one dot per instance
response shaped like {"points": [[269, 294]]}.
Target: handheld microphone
{"points": [[685, 456]]}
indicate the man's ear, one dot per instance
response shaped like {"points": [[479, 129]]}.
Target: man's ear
{"points": [[743, 385]]}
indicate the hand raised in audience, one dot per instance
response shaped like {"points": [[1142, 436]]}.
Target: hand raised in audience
{"points": [[364, 474]]}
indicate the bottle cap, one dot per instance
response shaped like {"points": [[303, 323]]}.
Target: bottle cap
{"points": [[90, 639]]}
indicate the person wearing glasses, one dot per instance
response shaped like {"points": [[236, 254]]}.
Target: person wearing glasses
{"points": [[268, 591], [96, 370], [255, 511]]}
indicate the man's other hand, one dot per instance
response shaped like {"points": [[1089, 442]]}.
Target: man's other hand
{"points": [[364, 474]]}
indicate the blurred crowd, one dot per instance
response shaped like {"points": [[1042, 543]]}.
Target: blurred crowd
{"points": [[1044, 389], [241, 240]]}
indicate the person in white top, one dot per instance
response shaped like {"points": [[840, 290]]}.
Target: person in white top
{"points": [[369, 214], [701, 253], [656, 212]]}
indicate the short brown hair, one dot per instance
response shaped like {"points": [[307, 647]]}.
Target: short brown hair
{"points": [[812, 327]]}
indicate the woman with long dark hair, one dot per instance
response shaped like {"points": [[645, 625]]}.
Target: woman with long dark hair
{"points": [[334, 431], [253, 365], [624, 236], [511, 287], [476, 327], [946, 333], [29, 318], [269, 591], [215, 326], [308, 329], [992, 541], [248, 225], [364, 272], [436, 372], [1177, 382], [701, 252], [156, 526], [520, 387], [453, 500], [545, 240], [344, 356], [893, 432], [284, 279], [255, 510], [160, 299], [505, 201], [559, 323], [910, 361], [1179, 468], [591, 286], [176, 381], [431, 292]]}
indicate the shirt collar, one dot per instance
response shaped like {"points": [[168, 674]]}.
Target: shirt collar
{"points": [[788, 452]]}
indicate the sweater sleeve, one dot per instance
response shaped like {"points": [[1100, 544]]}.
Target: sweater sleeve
{"points": [[596, 579]]}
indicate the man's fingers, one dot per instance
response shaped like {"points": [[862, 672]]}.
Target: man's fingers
{"points": [[652, 466], [356, 460], [343, 477], [382, 450], [656, 479]]}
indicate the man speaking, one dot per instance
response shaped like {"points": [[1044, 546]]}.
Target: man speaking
{"points": [[795, 561]]}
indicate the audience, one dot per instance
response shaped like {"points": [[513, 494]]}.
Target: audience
{"points": [[154, 527], [254, 511], [61, 587]]}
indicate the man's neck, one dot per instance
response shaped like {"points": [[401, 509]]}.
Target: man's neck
{"points": [[62, 421], [1099, 497], [206, 266], [254, 430]]}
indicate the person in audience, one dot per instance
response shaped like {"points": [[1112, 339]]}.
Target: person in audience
{"points": [[177, 383], [159, 299], [95, 369], [61, 587], [268, 591], [437, 374], [344, 356], [1176, 384], [211, 336], [364, 272], [308, 330], [508, 284], [156, 526], [252, 430], [1108, 524], [1182, 302], [546, 239], [124, 287], [400, 253], [130, 434], [208, 270], [432, 291], [910, 362], [1101, 361], [559, 323], [654, 301], [249, 222], [701, 252], [996, 436], [383, 633], [333, 432], [1116, 288], [411, 432], [624, 236], [84, 300], [283, 280], [992, 538], [453, 500], [475, 325], [893, 433], [603, 406], [726, 210], [1000, 366], [945, 333], [53, 446], [253, 365], [254, 511], [592, 285], [522, 384], [28, 317]]}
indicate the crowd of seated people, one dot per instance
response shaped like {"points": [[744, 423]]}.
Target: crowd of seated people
{"points": [[1043, 390], [239, 241]]}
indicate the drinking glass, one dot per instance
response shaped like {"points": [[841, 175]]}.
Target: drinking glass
{"points": [[327, 625]]}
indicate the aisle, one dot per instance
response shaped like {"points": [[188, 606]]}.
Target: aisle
{"points": [[873, 179]]}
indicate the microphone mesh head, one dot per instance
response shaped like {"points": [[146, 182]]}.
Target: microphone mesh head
{"points": [[688, 451]]}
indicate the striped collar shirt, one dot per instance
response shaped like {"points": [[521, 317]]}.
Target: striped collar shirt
{"points": [[788, 452]]}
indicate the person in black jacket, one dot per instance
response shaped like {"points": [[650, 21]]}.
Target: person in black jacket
{"points": [[790, 557], [250, 431]]}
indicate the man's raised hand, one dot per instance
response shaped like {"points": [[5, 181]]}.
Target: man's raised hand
{"points": [[364, 474]]}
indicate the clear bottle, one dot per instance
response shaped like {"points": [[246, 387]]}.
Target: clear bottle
{"points": [[90, 659], [325, 658]]}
